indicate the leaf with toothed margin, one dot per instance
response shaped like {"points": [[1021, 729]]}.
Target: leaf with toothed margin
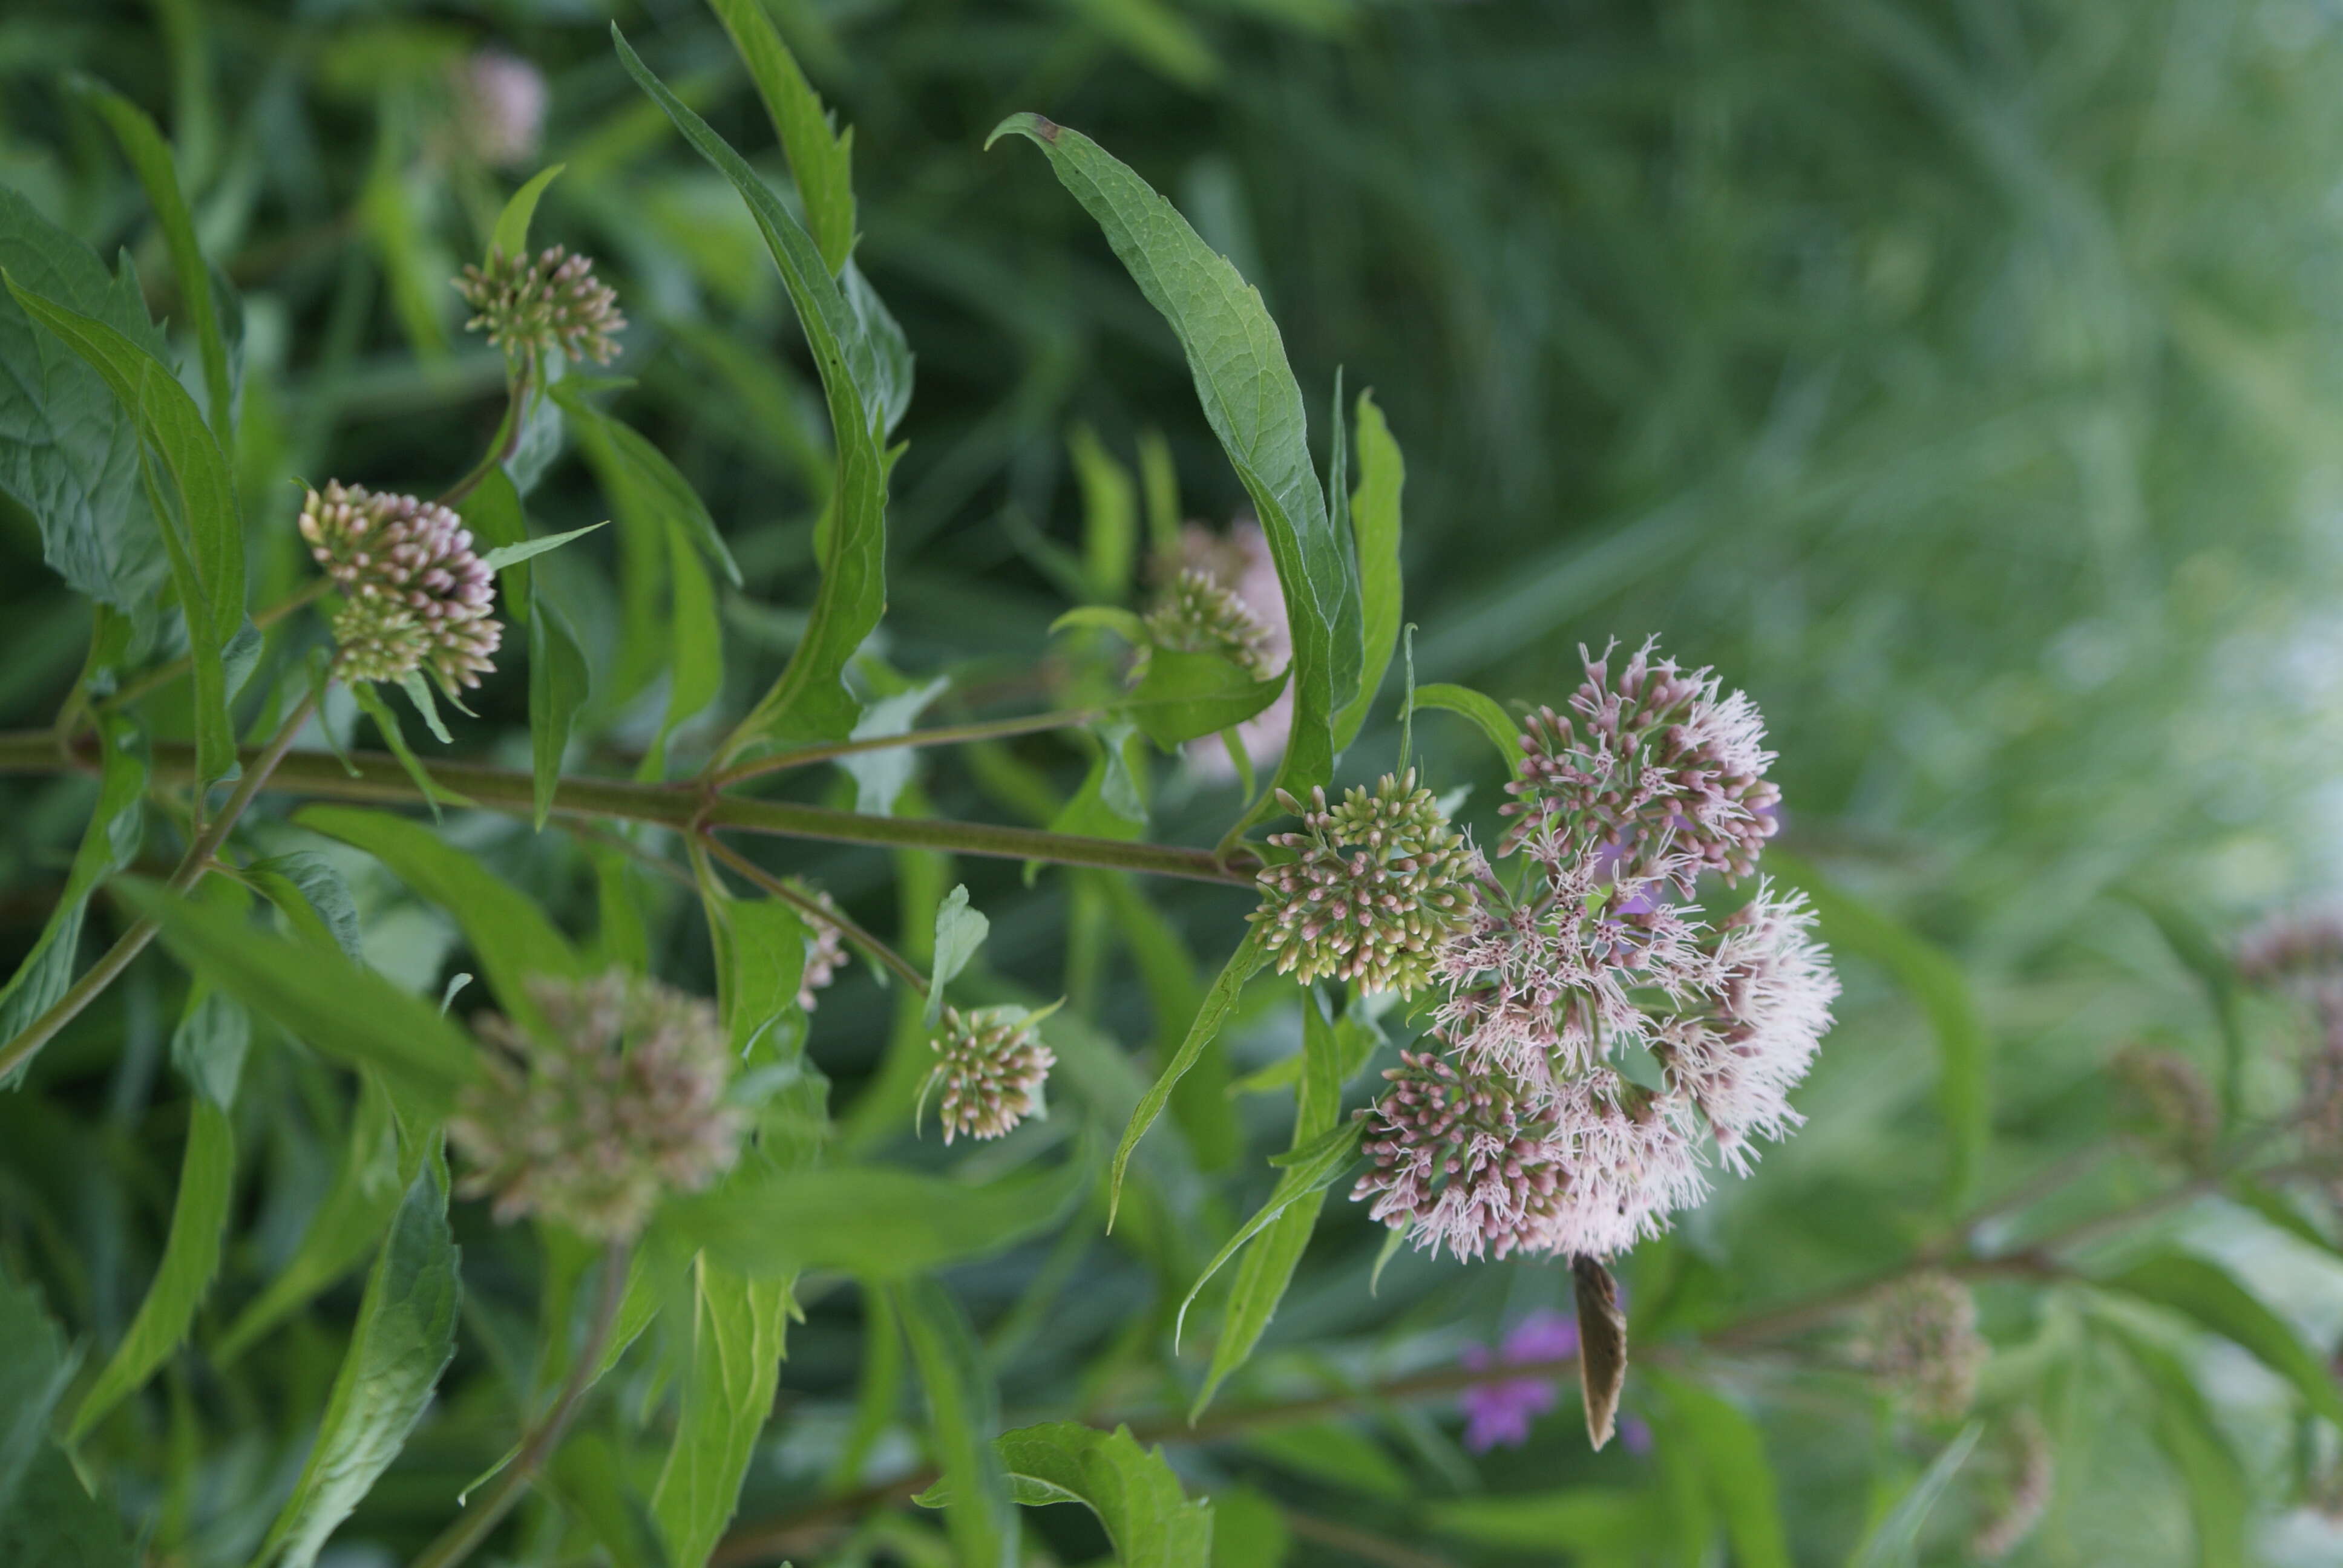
{"points": [[1253, 405]]}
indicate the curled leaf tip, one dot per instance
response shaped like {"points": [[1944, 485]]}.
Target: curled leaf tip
{"points": [[1041, 127]]}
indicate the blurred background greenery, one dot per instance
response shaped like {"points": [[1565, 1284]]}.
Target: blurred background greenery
{"points": [[1963, 378]]}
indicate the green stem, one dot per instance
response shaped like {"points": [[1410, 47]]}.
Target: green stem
{"points": [[258, 766], [813, 910], [379, 779], [516, 415], [942, 735], [463, 1537]]}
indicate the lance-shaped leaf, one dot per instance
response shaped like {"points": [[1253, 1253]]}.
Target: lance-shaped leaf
{"points": [[143, 145], [1219, 1001], [1255, 406], [2213, 1298], [559, 684], [342, 1009], [810, 701], [2220, 1502], [109, 843], [740, 1332], [201, 525], [405, 1335], [1483, 711], [511, 234], [822, 157], [1309, 1170], [1376, 531], [963, 1413], [511, 936], [71, 459], [1732, 1462]]}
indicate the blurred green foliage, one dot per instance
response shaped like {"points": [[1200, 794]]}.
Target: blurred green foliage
{"points": [[1962, 377]]}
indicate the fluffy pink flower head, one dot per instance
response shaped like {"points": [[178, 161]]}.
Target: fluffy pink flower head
{"points": [[2298, 947], [1629, 1161], [413, 594], [500, 101], [1655, 767], [615, 1100], [1458, 1159]]}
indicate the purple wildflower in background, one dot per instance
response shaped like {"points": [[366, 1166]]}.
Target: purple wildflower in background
{"points": [[1499, 1414]]}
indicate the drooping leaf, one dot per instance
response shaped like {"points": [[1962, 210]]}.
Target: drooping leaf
{"points": [[738, 1336], [202, 526], [71, 459], [304, 881], [1253, 405], [342, 1009], [1486, 716], [1602, 1345], [1133, 1491], [405, 1337], [639, 476], [963, 1416], [879, 1221], [150, 158], [557, 688], [1243, 965], [1185, 697], [512, 937], [810, 701], [510, 236], [1733, 1464], [820, 159], [1309, 1170], [109, 843], [1929, 975], [2213, 1298], [191, 1258], [1375, 530]]}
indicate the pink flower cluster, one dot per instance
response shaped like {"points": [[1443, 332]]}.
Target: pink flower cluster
{"points": [[415, 594], [1525, 1133]]}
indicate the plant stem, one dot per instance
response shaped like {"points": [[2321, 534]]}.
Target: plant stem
{"points": [[20, 1050], [262, 619], [379, 779], [813, 910], [941, 735], [461, 1538], [516, 415]]}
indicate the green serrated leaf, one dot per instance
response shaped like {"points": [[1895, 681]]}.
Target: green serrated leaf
{"points": [[740, 1336], [1253, 405], [1148, 1517], [191, 1258], [515, 942], [342, 1009], [405, 1337], [510, 236], [313, 895], [820, 159], [72, 458], [151, 159]]}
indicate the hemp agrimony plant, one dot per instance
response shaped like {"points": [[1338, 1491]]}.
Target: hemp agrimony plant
{"points": [[1542, 1040]]}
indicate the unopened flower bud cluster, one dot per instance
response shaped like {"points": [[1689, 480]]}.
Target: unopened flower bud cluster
{"points": [[553, 302], [991, 1064], [615, 1099], [414, 596], [1525, 1133], [1919, 1339], [1197, 614]]}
